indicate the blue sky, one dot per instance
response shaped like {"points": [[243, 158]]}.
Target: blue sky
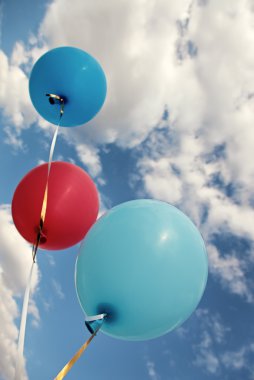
{"points": [[177, 125]]}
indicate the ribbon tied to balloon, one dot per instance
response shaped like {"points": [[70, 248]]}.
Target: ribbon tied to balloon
{"points": [[143, 267]]}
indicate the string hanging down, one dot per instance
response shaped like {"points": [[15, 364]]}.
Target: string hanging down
{"points": [[94, 323], [22, 329]]}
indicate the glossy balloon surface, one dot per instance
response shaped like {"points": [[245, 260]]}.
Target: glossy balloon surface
{"points": [[143, 263], [74, 75], [72, 205]]}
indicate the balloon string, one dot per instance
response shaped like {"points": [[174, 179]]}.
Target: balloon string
{"points": [[78, 354], [22, 330], [45, 197]]}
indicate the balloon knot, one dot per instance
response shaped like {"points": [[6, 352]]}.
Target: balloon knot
{"points": [[43, 236], [57, 99]]}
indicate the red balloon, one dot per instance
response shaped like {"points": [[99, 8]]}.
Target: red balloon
{"points": [[72, 205]]}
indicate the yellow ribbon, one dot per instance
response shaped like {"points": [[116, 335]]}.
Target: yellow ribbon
{"points": [[45, 198], [70, 364]]}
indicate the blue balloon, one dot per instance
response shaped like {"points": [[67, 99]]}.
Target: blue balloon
{"points": [[75, 76], [144, 263]]}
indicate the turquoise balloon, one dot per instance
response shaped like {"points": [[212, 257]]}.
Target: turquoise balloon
{"points": [[74, 75], [144, 263]]}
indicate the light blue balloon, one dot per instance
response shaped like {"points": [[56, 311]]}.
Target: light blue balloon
{"points": [[74, 75], [144, 263]]}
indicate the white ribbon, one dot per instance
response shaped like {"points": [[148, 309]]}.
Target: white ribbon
{"points": [[22, 329], [94, 317]]}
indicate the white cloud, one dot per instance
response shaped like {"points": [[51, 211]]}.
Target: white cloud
{"points": [[182, 332], [209, 360], [14, 96], [214, 324], [34, 311], [15, 258], [13, 138], [1, 21], [19, 55], [40, 162], [230, 271], [236, 360], [51, 260], [58, 289], [159, 179], [212, 332], [15, 263], [177, 168], [47, 306], [153, 375], [210, 351], [241, 358], [8, 332], [89, 156], [87, 153], [18, 112]]}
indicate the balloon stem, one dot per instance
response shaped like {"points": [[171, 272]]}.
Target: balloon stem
{"points": [[40, 235], [57, 99], [93, 322]]}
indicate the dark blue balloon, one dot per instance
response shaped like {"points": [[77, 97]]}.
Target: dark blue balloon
{"points": [[75, 76]]}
